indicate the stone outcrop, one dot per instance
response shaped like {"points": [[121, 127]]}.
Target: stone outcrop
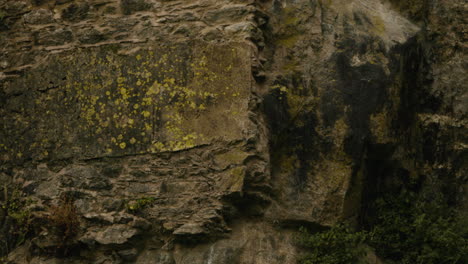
{"points": [[208, 131]]}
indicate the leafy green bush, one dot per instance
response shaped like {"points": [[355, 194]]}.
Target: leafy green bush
{"points": [[338, 245], [411, 229], [408, 228]]}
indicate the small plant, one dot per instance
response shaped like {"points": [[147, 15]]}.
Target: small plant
{"points": [[64, 220], [139, 204], [17, 224], [338, 245]]}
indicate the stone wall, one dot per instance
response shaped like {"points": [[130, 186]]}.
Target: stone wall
{"points": [[207, 132]]}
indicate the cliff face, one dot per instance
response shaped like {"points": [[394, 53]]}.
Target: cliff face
{"points": [[209, 131]]}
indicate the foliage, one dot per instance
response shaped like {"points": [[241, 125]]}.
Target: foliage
{"points": [[139, 204], [65, 221], [338, 245], [408, 228], [17, 222]]}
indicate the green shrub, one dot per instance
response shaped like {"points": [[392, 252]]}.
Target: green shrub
{"points": [[408, 228], [338, 245], [411, 229]]}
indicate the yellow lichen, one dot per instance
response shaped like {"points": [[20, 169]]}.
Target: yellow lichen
{"points": [[146, 113]]}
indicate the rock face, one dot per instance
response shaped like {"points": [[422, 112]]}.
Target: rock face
{"points": [[207, 132]]}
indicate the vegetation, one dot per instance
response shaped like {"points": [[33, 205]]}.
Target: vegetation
{"points": [[408, 229], [139, 204], [338, 245], [17, 219], [413, 229], [64, 220]]}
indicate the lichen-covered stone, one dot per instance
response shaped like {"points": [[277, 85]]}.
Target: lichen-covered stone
{"points": [[208, 131], [131, 104]]}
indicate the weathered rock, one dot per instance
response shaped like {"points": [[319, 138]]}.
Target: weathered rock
{"points": [[155, 257], [61, 2], [128, 254], [75, 12], [90, 36], [318, 145], [190, 229], [19, 255], [39, 16], [12, 8], [228, 14], [131, 6], [53, 36], [209, 131], [112, 235], [47, 241], [248, 243]]}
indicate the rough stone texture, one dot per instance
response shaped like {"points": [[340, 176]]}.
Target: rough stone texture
{"points": [[236, 121], [129, 104], [332, 68]]}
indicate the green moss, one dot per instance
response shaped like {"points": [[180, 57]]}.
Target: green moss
{"points": [[234, 182], [379, 25], [337, 245], [291, 20], [288, 41], [112, 48], [290, 32], [232, 157], [288, 163], [138, 205], [326, 3], [291, 65]]}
